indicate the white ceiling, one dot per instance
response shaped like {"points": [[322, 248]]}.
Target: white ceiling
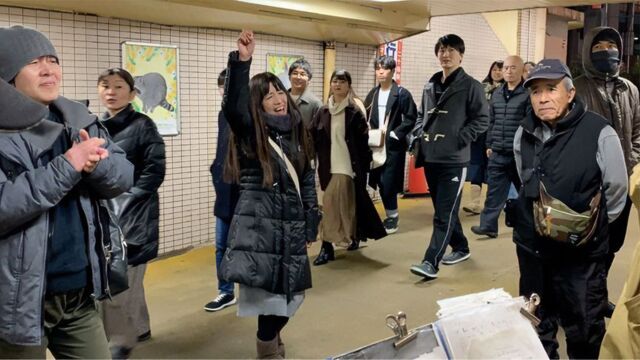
{"points": [[353, 21]]}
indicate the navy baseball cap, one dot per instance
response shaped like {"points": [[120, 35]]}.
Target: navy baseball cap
{"points": [[548, 69]]}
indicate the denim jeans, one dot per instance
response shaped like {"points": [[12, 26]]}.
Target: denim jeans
{"points": [[502, 173], [222, 233]]}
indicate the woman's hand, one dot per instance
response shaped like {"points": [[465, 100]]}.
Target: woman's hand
{"points": [[246, 45]]}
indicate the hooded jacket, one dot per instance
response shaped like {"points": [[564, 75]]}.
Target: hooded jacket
{"points": [[29, 190], [137, 135], [613, 97]]}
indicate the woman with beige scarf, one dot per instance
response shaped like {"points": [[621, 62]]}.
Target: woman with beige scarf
{"points": [[340, 135]]}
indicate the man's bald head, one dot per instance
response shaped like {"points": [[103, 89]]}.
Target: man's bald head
{"points": [[512, 70]]}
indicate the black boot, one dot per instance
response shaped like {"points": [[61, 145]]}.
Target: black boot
{"points": [[355, 245], [326, 254]]}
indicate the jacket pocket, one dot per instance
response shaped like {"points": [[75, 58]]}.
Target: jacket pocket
{"points": [[16, 253]]}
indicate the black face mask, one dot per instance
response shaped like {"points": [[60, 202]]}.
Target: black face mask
{"points": [[606, 61]]}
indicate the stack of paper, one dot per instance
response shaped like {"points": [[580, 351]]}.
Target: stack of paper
{"points": [[486, 325]]}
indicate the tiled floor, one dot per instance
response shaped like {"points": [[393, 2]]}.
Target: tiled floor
{"points": [[350, 297]]}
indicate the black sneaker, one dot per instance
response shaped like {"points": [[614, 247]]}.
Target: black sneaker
{"points": [[480, 231], [425, 270], [220, 302], [391, 224], [455, 257]]}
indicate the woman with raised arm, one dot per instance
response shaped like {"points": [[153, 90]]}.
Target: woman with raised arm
{"points": [[270, 155]]}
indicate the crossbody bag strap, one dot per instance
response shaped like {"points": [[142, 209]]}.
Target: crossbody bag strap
{"points": [[290, 169]]}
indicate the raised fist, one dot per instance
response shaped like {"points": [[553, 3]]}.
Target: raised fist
{"points": [[246, 45]]}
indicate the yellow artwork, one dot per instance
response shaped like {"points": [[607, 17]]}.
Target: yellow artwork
{"points": [[279, 66], [155, 71]]}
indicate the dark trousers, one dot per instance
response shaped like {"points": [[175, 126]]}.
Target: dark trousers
{"points": [[72, 330], [445, 187], [389, 197], [222, 233], [501, 173], [573, 293], [617, 232]]}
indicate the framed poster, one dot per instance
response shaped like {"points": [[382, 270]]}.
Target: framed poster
{"points": [[155, 72], [278, 64]]}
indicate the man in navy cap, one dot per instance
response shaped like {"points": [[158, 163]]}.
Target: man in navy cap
{"points": [[571, 165]]}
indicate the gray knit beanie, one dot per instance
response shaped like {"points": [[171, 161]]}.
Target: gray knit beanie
{"points": [[20, 46]]}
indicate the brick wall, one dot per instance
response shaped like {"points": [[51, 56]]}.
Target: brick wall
{"points": [[89, 44]]}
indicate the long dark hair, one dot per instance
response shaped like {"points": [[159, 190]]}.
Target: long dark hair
{"points": [[489, 79], [258, 89]]}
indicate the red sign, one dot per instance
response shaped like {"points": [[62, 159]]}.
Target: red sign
{"points": [[393, 49]]}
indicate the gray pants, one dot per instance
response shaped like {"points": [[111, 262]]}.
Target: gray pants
{"points": [[72, 330], [126, 315]]}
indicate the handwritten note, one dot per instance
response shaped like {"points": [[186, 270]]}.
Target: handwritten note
{"points": [[496, 330]]}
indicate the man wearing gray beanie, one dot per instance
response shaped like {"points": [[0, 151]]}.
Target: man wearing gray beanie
{"points": [[56, 162]]}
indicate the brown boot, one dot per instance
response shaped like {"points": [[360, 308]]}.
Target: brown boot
{"points": [[268, 349], [474, 206], [280, 346]]}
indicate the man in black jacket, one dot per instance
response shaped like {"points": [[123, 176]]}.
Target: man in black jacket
{"points": [[453, 113], [509, 105], [226, 200], [390, 108], [575, 160]]}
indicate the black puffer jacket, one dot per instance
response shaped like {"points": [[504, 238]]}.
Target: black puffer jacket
{"points": [[505, 117], [271, 225], [138, 209]]}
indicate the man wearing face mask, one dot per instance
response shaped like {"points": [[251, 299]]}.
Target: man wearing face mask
{"points": [[616, 99]]}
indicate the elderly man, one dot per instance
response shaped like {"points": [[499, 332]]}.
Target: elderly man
{"points": [[509, 105], [616, 99], [300, 75], [56, 162], [572, 167]]}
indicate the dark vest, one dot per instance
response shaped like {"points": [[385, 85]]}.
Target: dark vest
{"points": [[507, 115], [566, 164]]}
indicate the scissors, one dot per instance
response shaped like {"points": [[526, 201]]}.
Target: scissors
{"points": [[397, 323]]}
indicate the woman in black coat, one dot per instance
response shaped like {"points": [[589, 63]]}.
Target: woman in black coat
{"points": [[270, 155], [340, 135], [137, 210]]}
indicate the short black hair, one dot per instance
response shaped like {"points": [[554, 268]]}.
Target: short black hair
{"points": [[302, 64], [384, 61], [222, 77], [122, 73], [341, 75], [450, 40]]}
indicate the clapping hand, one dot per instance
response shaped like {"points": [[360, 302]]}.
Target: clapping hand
{"points": [[86, 154], [246, 45]]}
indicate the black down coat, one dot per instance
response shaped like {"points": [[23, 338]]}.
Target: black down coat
{"points": [[271, 225], [138, 209]]}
